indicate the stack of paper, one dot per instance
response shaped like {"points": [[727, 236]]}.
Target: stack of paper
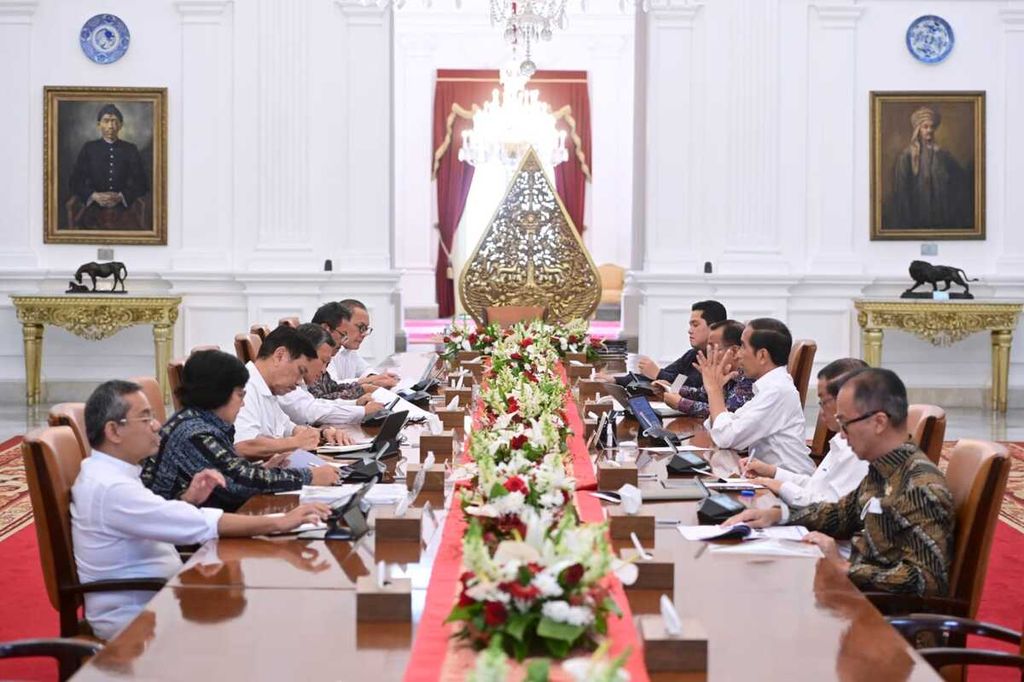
{"points": [[380, 494]]}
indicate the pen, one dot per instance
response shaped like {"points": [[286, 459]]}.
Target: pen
{"points": [[743, 472]]}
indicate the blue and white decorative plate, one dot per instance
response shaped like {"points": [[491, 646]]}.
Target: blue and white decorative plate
{"points": [[104, 38], [930, 39]]}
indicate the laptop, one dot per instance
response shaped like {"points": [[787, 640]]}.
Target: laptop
{"points": [[650, 422], [389, 432]]}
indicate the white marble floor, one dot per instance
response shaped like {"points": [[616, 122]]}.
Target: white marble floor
{"points": [[16, 419]]}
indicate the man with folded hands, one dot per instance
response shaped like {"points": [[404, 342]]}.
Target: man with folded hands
{"points": [[900, 519], [121, 530]]}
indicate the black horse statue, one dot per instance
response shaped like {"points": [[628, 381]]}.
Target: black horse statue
{"points": [[926, 273], [113, 269]]}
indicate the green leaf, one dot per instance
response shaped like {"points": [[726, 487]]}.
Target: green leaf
{"points": [[557, 647], [520, 648], [612, 607], [460, 613], [552, 629], [517, 624], [497, 490], [538, 670]]}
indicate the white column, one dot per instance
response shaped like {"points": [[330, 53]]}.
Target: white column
{"points": [[18, 146], [663, 196], [366, 207], [1011, 260], [833, 111], [204, 201]]}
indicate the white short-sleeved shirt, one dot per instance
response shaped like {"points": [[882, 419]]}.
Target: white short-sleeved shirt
{"points": [[121, 529], [839, 473], [346, 365], [302, 407], [261, 415]]}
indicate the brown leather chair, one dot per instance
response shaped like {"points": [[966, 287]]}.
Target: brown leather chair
{"points": [[292, 322], [926, 425], [952, 627], [175, 368], [154, 395], [801, 362], [976, 476], [71, 415], [508, 315], [260, 330], [204, 346], [247, 347], [52, 461], [820, 442]]}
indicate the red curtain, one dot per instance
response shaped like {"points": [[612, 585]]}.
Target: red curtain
{"points": [[455, 94]]}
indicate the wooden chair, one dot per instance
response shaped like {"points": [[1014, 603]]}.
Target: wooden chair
{"points": [[945, 628], [204, 346], [68, 653], [175, 368], [613, 278], [926, 425], [292, 322], [820, 442], [247, 347], [507, 315], [801, 362], [52, 462], [976, 476], [260, 330], [71, 415], [154, 395]]}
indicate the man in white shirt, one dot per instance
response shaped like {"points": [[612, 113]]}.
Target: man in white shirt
{"points": [[121, 530], [262, 429], [347, 365], [770, 426], [302, 407], [840, 472]]}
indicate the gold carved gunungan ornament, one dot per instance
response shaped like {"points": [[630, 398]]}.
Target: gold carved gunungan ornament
{"points": [[531, 254]]}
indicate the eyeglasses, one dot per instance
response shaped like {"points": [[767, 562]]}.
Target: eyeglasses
{"points": [[147, 418], [844, 424], [364, 329]]}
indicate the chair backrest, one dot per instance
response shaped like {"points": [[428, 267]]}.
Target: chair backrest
{"points": [[801, 362], [976, 476], [926, 425], [154, 395], [247, 347], [71, 415], [292, 322], [52, 461], [260, 330], [508, 315], [822, 436], [612, 280], [204, 346], [175, 369]]}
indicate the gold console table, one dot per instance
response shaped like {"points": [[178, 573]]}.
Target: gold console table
{"points": [[94, 318], [943, 323]]}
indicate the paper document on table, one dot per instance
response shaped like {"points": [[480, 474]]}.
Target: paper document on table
{"points": [[301, 459], [302, 528], [733, 484], [742, 531], [386, 397], [342, 449], [380, 494], [678, 448], [771, 547]]}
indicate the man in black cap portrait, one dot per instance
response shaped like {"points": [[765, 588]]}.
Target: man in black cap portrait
{"points": [[108, 179]]}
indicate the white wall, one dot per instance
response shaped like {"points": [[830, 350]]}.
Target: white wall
{"points": [[279, 146], [754, 117], [599, 42]]}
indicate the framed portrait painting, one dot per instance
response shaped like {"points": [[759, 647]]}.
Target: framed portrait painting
{"points": [[105, 165], [927, 165]]}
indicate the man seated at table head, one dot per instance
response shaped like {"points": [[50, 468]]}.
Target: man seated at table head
{"points": [[122, 530], [840, 472], [692, 401], [303, 407], [201, 436], [262, 429], [900, 518], [347, 365], [770, 426]]}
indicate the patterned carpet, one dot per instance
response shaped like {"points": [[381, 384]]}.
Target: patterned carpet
{"points": [[15, 508], [1013, 500]]}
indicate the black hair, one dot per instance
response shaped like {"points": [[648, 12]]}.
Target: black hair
{"points": [[351, 305], [209, 378], [289, 338], [711, 311], [109, 109], [876, 390], [836, 369], [732, 332], [315, 334], [332, 314], [107, 404], [773, 336]]}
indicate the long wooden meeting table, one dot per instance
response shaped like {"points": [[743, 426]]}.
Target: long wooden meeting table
{"points": [[285, 608]]}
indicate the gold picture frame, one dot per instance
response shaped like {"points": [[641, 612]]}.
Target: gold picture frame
{"points": [[104, 165], [927, 165]]}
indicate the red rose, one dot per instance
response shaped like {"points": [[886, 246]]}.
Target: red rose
{"points": [[495, 613], [517, 442], [466, 577], [517, 591], [472, 338], [530, 376], [465, 600], [515, 356], [572, 338], [572, 575], [513, 405], [525, 343], [447, 339], [516, 485]]}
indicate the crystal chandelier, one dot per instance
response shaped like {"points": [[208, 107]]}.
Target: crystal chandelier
{"points": [[510, 123], [527, 21]]}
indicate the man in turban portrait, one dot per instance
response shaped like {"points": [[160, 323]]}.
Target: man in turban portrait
{"points": [[930, 188], [108, 178]]}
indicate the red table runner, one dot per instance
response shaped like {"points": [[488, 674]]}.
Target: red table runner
{"points": [[435, 656]]}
